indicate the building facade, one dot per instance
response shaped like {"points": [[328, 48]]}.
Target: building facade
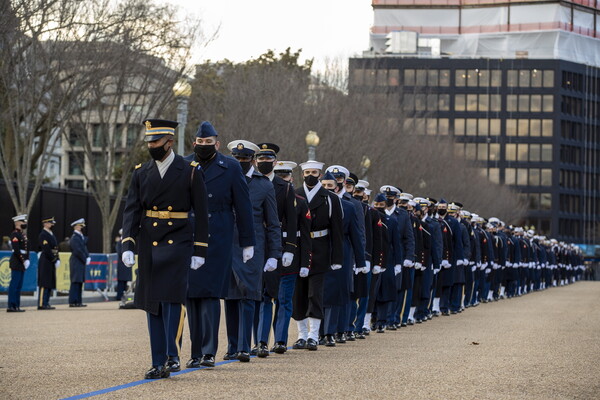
{"points": [[530, 120]]}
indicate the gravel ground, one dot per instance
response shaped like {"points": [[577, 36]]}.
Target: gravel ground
{"points": [[544, 345]]}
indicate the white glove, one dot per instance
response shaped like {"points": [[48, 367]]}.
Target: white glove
{"points": [[419, 266], [304, 272], [287, 258], [335, 267], [270, 265], [484, 265], [247, 253], [365, 270], [26, 264], [488, 270], [57, 264], [368, 264], [473, 268], [356, 270], [436, 271], [197, 262], [398, 268], [465, 261], [460, 262], [39, 254], [128, 258], [376, 269], [408, 263], [508, 264], [88, 260], [446, 264]]}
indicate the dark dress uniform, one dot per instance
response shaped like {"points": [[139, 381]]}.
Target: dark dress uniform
{"points": [[47, 265], [407, 250], [386, 288], [156, 216], [20, 254], [77, 263], [408, 273]]}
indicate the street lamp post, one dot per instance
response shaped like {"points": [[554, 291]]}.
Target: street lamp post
{"points": [[182, 91], [312, 141], [365, 164]]}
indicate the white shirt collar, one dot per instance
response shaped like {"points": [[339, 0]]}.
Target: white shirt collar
{"points": [[250, 172], [163, 166], [391, 210], [340, 194], [74, 231], [310, 193], [271, 176]]}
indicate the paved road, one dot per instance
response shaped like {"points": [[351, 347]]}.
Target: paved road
{"points": [[541, 346]]}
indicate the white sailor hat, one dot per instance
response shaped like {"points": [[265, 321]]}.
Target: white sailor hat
{"points": [[22, 217], [368, 192], [80, 221], [362, 184], [494, 220], [338, 170], [406, 196], [284, 166], [242, 148], [311, 164], [389, 190], [412, 203], [466, 214]]}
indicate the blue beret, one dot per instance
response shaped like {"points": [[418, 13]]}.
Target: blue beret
{"points": [[206, 130], [380, 198], [328, 177]]}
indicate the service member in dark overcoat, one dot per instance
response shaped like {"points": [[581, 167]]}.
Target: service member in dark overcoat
{"points": [[449, 275], [246, 283], [458, 288], [301, 259], [80, 258], [47, 264], [266, 159], [228, 204], [408, 273], [124, 274], [444, 277], [422, 263], [161, 195], [327, 254], [19, 262]]}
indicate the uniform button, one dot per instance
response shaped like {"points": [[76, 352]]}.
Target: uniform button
{"points": [[210, 195], [169, 208], [155, 224], [155, 208], [170, 242], [170, 223], [155, 243]]}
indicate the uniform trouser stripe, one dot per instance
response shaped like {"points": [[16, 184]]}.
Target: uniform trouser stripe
{"points": [[41, 300], [403, 305], [180, 330]]}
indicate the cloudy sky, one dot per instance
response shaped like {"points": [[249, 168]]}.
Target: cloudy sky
{"points": [[323, 29]]}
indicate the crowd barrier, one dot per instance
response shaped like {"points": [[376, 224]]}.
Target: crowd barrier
{"points": [[100, 274]]}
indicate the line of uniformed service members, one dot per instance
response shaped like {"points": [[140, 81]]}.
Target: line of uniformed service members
{"points": [[209, 227]]}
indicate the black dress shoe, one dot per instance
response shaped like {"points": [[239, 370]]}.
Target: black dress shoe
{"points": [[254, 351], [81, 305], [299, 345], [10, 309], [279, 348], [263, 351], [350, 337], [453, 312], [410, 322], [20, 310], [340, 338], [359, 335], [46, 308], [391, 327], [193, 363], [403, 325], [230, 356], [366, 331], [173, 364], [322, 341], [208, 361], [73, 305], [329, 341], [380, 329], [157, 373], [311, 344], [243, 356], [419, 321], [445, 313]]}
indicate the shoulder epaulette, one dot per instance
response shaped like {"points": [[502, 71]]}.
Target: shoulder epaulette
{"points": [[139, 165], [194, 164]]}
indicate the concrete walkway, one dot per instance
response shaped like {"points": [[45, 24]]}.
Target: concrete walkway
{"points": [[544, 345]]}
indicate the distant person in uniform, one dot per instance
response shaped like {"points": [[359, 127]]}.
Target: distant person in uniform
{"points": [[64, 246], [161, 195], [5, 244], [47, 264], [80, 258], [124, 274], [19, 262]]}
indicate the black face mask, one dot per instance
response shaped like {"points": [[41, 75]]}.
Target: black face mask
{"points": [[442, 212], [24, 226], [205, 151], [245, 166], [332, 190], [389, 202], [265, 167], [359, 198], [311, 180], [380, 209], [158, 153], [340, 186]]}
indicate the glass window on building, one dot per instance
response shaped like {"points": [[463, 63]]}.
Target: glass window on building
{"points": [[494, 152], [547, 127], [133, 132], [74, 184], [511, 152], [535, 127], [548, 103], [432, 77], [370, 77], [471, 128], [98, 135], [76, 132], [420, 102], [512, 102], [522, 151], [408, 126], [420, 126], [548, 78], [471, 151], [484, 102], [483, 129], [393, 77], [495, 125], [460, 77], [512, 78], [482, 151], [511, 127], [432, 102], [495, 102], [536, 78], [547, 152], [118, 134], [494, 175], [523, 127], [546, 201], [382, 77], [358, 77], [533, 201], [408, 102], [535, 152], [524, 78], [445, 77], [524, 103], [459, 150], [472, 102], [459, 127], [496, 78], [421, 77], [546, 177], [75, 163], [510, 176], [431, 126], [472, 75], [460, 102], [534, 177], [484, 78], [444, 102], [522, 174], [443, 126], [409, 77], [536, 103]]}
